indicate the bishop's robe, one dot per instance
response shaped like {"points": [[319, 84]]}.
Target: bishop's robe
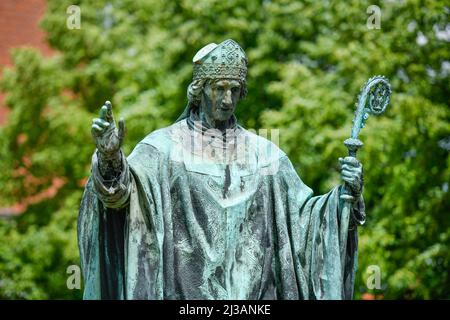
{"points": [[179, 224]]}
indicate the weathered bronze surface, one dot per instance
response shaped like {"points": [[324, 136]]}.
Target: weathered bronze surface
{"points": [[205, 209]]}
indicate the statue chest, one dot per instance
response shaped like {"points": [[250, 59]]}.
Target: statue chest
{"points": [[226, 185]]}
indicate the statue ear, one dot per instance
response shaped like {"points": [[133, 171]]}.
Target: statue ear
{"points": [[243, 90], [194, 92]]}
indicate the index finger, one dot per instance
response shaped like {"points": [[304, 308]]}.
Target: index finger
{"points": [[351, 161], [103, 112], [109, 110]]}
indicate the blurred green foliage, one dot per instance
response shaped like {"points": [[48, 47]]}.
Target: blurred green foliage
{"points": [[307, 61]]}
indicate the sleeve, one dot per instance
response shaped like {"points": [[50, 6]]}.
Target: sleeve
{"points": [[101, 238], [120, 246], [115, 192], [309, 229], [358, 214]]}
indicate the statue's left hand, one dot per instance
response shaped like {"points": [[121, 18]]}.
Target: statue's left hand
{"points": [[352, 175]]}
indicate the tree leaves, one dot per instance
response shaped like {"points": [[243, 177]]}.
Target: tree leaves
{"points": [[307, 62]]}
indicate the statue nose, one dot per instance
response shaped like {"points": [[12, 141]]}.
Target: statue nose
{"points": [[227, 99]]}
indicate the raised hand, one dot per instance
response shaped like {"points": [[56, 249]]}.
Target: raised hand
{"points": [[107, 137]]}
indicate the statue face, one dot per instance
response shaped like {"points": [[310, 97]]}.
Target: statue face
{"points": [[219, 99]]}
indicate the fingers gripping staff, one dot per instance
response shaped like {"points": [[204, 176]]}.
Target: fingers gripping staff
{"points": [[352, 174]]}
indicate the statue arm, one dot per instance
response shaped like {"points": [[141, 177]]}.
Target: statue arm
{"points": [[110, 170], [112, 179], [358, 213], [353, 178]]}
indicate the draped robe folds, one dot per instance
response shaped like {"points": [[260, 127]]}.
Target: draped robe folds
{"points": [[178, 225]]}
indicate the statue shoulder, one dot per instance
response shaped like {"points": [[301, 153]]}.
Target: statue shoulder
{"points": [[155, 147], [266, 150], [163, 139]]}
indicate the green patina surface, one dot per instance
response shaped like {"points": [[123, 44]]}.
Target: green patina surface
{"points": [[204, 209], [178, 237]]}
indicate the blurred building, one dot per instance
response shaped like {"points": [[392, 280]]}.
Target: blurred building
{"points": [[19, 27]]}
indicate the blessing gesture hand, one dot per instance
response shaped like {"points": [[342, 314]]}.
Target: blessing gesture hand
{"points": [[107, 137]]}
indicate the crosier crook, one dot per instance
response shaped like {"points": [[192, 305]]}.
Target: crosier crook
{"points": [[373, 99]]}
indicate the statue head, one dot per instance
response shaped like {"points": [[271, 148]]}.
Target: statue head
{"points": [[219, 98], [219, 80]]}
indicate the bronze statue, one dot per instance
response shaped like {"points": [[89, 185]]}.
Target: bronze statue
{"points": [[205, 209]]}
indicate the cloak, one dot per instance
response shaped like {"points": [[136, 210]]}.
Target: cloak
{"points": [[176, 224]]}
